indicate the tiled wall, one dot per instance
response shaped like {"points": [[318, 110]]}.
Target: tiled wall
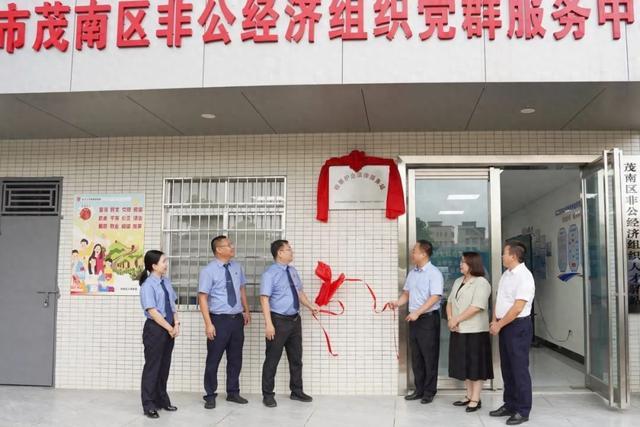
{"points": [[99, 338]]}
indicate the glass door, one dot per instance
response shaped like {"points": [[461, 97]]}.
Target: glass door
{"points": [[452, 208], [606, 305]]}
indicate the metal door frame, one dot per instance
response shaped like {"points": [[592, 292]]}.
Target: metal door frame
{"points": [[610, 159], [489, 175], [494, 164]]}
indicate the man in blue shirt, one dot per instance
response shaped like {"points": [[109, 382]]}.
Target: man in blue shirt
{"points": [[223, 303], [280, 296], [423, 291]]}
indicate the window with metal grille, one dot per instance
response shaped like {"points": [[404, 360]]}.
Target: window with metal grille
{"points": [[30, 197], [250, 211]]}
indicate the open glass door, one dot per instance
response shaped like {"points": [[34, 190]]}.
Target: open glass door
{"points": [[458, 210], [606, 309]]}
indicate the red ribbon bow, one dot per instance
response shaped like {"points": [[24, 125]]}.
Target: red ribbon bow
{"points": [[328, 288], [326, 293]]}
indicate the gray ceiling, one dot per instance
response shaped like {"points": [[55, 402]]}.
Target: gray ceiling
{"points": [[311, 109], [536, 182]]}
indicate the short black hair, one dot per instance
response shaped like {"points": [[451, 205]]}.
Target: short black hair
{"points": [[426, 246], [84, 240], [516, 248], [276, 246], [75, 251], [214, 242], [108, 260]]}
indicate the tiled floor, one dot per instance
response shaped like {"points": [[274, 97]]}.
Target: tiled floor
{"points": [[551, 371], [559, 400], [23, 406]]}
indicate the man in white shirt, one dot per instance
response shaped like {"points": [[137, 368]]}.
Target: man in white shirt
{"points": [[512, 322]]}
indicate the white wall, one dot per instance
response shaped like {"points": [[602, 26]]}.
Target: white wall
{"points": [[99, 338], [559, 306], [596, 57]]}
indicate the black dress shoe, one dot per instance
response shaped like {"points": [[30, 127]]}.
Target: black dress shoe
{"points": [[269, 401], [427, 399], [301, 397], [474, 408], [413, 396], [516, 419], [462, 402], [151, 414], [236, 398], [170, 408], [210, 403], [502, 411]]}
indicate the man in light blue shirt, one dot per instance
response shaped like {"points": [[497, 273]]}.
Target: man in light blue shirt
{"points": [[280, 296], [423, 291], [275, 285], [223, 303]]}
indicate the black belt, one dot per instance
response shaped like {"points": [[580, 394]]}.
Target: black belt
{"points": [[154, 323], [285, 316], [519, 319], [431, 313], [230, 316]]}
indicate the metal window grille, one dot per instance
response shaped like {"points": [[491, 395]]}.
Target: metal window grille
{"points": [[249, 210], [30, 197]]}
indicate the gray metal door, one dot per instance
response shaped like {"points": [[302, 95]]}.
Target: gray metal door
{"points": [[28, 296]]}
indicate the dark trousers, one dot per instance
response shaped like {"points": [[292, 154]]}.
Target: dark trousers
{"points": [[158, 346], [230, 338], [515, 342], [424, 339], [288, 337]]}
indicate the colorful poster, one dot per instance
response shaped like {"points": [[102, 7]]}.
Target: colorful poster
{"points": [[573, 245], [107, 252], [569, 240]]}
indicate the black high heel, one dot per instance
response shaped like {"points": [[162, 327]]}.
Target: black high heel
{"points": [[462, 402], [474, 408]]}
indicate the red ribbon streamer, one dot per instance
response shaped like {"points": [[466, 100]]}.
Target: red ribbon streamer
{"points": [[387, 306], [328, 290]]}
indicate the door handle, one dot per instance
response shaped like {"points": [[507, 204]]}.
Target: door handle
{"points": [[47, 294]]}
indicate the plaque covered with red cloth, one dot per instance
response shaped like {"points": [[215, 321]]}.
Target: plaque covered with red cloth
{"points": [[356, 161]]}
